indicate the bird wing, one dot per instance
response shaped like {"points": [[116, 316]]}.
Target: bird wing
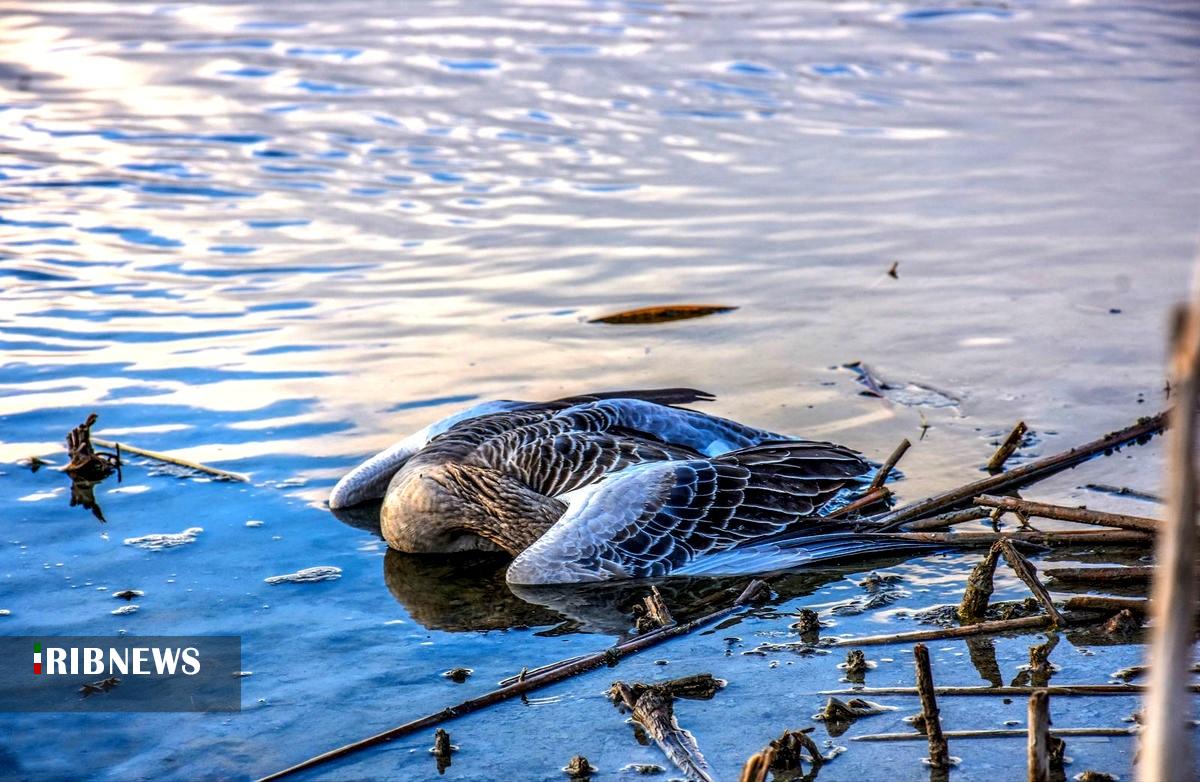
{"points": [[659, 518], [369, 480]]}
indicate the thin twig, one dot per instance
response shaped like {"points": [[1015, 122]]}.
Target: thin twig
{"points": [[983, 628], [168, 459], [1116, 537], [1062, 513], [1010, 444], [1036, 470], [886, 470], [1001, 733], [872, 497], [947, 520], [1060, 690], [528, 684], [1166, 751], [1028, 573]]}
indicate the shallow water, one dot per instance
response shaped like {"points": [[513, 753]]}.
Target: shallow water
{"points": [[274, 240]]}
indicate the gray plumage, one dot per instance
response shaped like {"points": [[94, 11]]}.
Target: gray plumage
{"points": [[607, 486]]}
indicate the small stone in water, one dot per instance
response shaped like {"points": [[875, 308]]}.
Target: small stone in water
{"points": [[165, 540], [128, 594], [123, 610], [254, 523], [458, 675], [307, 575]]}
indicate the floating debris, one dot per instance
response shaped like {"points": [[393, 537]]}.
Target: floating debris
{"points": [[128, 594], [5, 612], [662, 313], [442, 749], [847, 711], [307, 575], [132, 608], [254, 523], [579, 768], [643, 768], [104, 685], [907, 394], [894, 272], [165, 540], [458, 675]]}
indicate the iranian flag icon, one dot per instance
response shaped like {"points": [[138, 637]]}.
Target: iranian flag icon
{"points": [[37, 658]]}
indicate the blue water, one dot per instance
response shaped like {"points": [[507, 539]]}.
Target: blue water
{"points": [[275, 239]]}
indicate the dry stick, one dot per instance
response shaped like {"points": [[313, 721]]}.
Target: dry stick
{"points": [[1019, 476], [1120, 575], [1039, 737], [872, 497], [997, 734], [1055, 690], [1027, 573], [886, 470], [939, 751], [1166, 750], [946, 520], [1010, 444], [528, 684], [1116, 537], [983, 628], [162, 457], [1063, 513]]}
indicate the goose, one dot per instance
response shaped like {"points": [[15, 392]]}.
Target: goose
{"points": [[616, 485]]}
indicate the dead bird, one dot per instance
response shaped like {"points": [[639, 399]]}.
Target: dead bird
{"points": [[613, 485]]}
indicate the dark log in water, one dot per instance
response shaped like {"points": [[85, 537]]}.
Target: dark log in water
{"points": [[982, 628]]}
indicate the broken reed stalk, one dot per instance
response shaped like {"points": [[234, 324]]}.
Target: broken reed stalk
{"points": [[168, 459], [1010, 444], [1036, 470], [757, 767], [1063, 513], [1001, 733], [1135, 574], [1028, 573], [1060, 690], [939, 751], [886, 470], [965, 631], [872, 497], [1116, 537], [947, 520], [980, 585], [1166, 747], [1039, 737], [654, 612], [531, 682]]}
